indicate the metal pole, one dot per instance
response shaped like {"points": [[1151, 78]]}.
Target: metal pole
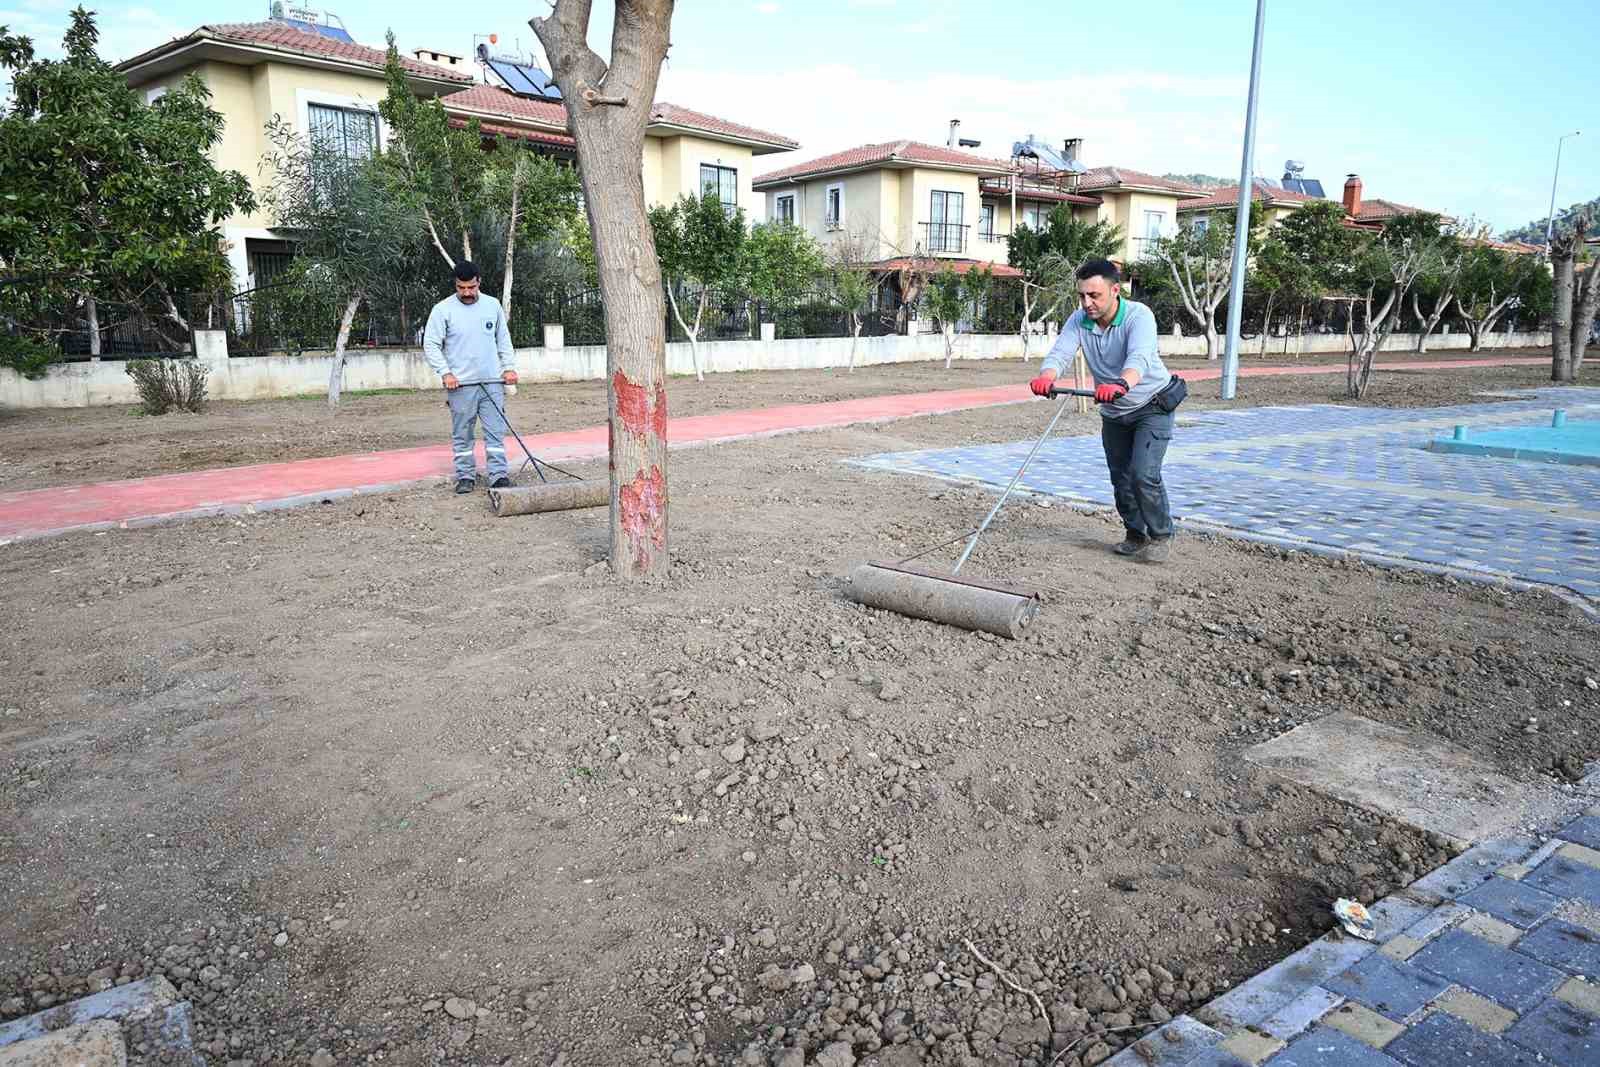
{"points": [[1241, 220], [1550, 223]]}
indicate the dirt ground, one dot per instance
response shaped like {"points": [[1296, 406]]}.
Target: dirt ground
{"points": [[393, 780], [73, 446]]}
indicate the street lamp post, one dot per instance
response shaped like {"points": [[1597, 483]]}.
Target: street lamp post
{"points": [[1550, 223], [1241, 225]]}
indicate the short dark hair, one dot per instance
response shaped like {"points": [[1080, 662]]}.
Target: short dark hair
{"points": [[1100, 268], [466, 271]]}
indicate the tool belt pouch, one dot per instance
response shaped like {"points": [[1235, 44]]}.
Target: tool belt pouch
{"points": [[1169, 398]]}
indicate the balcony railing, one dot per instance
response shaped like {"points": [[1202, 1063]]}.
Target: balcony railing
{"points": [[1144, 246], [944, 237]]}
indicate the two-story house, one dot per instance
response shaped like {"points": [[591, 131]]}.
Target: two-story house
{"points": [[1145, 206], [321, 81], [1279, 202]]}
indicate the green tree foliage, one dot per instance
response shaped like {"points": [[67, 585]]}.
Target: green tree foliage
{"points": [[441, 168], [701, 247], [102, 197], [357, 234], [779, 262], [1049, 256], [946, 300], [1533, 232]]}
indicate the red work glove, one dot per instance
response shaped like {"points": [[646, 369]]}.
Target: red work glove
{"points": [[1041, 385], [1110, 392]]}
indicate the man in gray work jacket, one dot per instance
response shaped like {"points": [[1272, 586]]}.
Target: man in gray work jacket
{"points": [[1118, 338], [467, 340]]}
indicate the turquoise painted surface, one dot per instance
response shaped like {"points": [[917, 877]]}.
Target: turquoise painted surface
{"points": [[1572, 442]]}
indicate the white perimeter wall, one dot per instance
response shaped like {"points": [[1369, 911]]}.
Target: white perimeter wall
{"points": [[258, 378]]}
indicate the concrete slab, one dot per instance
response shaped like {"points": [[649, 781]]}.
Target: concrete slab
{"points": [[1252, 1002], [1563, 944], [1177, 1044], [93, 1044], [1411, 776], [136, 1000]]}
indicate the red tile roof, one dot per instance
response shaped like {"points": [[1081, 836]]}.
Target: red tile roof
{"points": [[521, 133], [493, 100], [1228, 196], [1518, 248], [912, 152], [287, 38], [1110, 177], [673, 115], [959, 266], [1376, 210]]}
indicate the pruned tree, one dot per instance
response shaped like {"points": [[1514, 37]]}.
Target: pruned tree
{"points": [[354, 231], [1048, 257], [1493, 282], [1198, 258], [1383, 270], [1577, 297], [608, 107], [850, 282], [701, 247], [947, 302], [1436, 287]]}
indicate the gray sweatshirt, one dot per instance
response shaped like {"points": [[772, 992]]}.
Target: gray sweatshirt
{"points": [[471, 341], [1130, 341]]}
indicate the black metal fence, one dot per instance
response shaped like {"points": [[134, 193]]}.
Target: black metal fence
{"points": [[40, 311]]}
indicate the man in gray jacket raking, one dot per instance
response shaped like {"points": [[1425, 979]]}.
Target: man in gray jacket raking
{"points": [[468, 344]]}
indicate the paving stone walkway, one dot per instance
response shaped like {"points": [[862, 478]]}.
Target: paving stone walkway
{"points": [[1347, 480], [1491, 960]]}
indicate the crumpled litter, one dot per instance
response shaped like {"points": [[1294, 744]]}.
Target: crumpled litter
{"points": [[1355, 919]]}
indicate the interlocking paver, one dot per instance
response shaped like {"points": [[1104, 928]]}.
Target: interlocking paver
{"points": [[1567, 878], [1491, 929], [1518, 904], [1498, 973], [1585, 831], [1394, 989], [1562, 944], [1483, 1013], [1442, 1040], [1325, 1047], [1559, 1032], [1585, 996], [1341, 479]]}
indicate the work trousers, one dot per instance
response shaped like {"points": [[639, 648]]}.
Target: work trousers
{"points": [[1135, 446], [470, 404]]}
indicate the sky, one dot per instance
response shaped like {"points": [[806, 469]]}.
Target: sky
{"points": [[1452, 106]]}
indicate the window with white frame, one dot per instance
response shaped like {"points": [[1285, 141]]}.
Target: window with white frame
{"points": [[1199, 224], [986, 222], [1155, 224], [722, 183], [347, 132], [154, 94], [833, 206], [783, 209]]}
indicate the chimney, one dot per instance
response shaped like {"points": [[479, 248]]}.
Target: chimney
{"points": [[1070, 149], [1352, 195], [950, 142]]}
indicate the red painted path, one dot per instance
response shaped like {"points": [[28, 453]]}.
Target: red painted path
{"points": [[230, 490]]}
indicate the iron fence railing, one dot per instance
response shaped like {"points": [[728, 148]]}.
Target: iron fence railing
{"points": [[944, 236]]}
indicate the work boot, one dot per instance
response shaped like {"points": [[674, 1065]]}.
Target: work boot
{"points": [[501, 482], [1156, 550], [1131, 544], [465, 485]]}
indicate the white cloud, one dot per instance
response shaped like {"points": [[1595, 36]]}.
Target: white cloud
{"points": [[767, 9]]}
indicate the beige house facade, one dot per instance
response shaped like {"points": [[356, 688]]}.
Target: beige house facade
{"points": [[333, 86]]}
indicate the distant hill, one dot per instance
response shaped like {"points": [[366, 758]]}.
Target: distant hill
{"points": [[1201, 181], [1533, 232]]}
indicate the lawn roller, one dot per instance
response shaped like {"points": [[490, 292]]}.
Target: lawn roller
{"points": [[923, 593], [575, 492]]}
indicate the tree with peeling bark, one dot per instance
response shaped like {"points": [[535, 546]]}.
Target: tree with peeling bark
{"points": [[701, 247], [353, 232], [1384, 269], [1576, 299], [1199, 258], [608, 107]]}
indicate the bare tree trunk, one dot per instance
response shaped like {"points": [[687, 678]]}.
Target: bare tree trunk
{"points": [[1563, 253], [1426, 324], [1583, 318], [336, 373], [1373, 337], [855, 337], [172, 310], [693, 334], [949, 331], [1213, 341], [608, 107], [1266, 322], [91, 311], [511, 243]]}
